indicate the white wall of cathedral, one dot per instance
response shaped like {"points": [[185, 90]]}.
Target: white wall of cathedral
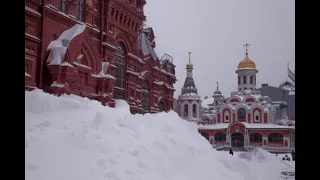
{"points": [[246, 79]]}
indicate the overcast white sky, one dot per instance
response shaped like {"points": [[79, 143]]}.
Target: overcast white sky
{"points": [[215, 31]]}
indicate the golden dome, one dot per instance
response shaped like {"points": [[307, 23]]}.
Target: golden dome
{"points": [[189, 66], [246, 64]]}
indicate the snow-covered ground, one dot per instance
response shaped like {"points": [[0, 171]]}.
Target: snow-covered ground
{"points": [[73, 138]]}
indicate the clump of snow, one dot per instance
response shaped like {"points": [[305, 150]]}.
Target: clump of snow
{"points": [[59, 47], [74, 138]]}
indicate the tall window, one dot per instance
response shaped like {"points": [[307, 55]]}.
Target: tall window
{"points": [[145, 96], [241, 114], [239, 80], [80, 10], [219, 137], [251, 79], [244, 79], [186, 110], [255, 137], [62, 6], [275, 138], [194, 110], [119, 62]]}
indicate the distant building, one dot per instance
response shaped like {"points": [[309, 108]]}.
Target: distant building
{"points": [[276, 94], [189, 102], [247, 119]]}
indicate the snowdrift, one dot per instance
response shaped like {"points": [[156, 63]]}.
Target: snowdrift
{"points": [[74, 138]]}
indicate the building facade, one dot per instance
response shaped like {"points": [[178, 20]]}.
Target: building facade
{"points": [[96, 49], [247, 118], [276, 94], [189, 102]]}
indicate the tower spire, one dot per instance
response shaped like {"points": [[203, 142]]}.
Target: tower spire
{"points": [[283, 95], [217, 85], [246, 45], [189, 57]]}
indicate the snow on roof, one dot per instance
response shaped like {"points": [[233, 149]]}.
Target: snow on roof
{"points": [[207, 101], [285, 121], [59, 47], [265, 126], [32, 10], [291, 93], [239, 96], [247, 125], [145, 46], [214, 126], [65, 64]]}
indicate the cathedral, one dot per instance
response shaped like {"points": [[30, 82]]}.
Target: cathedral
{"points": [[97, 49], [244, 120]]}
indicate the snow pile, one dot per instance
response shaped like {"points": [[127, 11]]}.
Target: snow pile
{"points": [[74, 138], [266, 165]]}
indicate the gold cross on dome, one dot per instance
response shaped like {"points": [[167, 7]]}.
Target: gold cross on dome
{"points": [[189, 57], [246, 45]]}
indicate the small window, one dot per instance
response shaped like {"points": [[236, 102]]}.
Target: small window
{"points": [[244, 80], [257, 117], [227, 117], [251, 79]]}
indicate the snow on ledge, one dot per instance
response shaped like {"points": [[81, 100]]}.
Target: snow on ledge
{"points": [[26, 74], [32, 10], [55, 84]]}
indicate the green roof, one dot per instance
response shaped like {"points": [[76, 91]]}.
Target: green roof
{"points": [[217, 92], [283, 105]]}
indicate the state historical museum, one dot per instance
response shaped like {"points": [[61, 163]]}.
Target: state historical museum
{"points": [[97, 49]]}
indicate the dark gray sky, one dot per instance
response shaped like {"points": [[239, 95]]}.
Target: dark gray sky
{"points": [[215, 31]]}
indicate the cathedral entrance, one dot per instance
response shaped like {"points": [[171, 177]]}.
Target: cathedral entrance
{"points": [[237, 140]]}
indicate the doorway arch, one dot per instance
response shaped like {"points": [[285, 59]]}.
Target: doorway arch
{"points": [[237, 140]]}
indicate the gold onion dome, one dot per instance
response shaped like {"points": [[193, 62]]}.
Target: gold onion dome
{"points": [[246, 63], [189, 65]]}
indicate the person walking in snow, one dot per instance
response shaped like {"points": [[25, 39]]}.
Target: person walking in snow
{"points": [[293, 154], [231, 152]]}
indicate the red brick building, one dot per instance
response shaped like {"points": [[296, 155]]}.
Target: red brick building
{"points": [[112, 58]]}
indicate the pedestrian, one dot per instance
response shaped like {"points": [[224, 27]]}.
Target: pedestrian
{"points": [[293, 154], [231, 152]]}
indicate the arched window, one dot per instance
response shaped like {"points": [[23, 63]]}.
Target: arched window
{"points": [[62, 6], [241, 114], [119, 61], [256, 116], [275, 138], [255, 137], [227, 116], [206, 135], [145, 96], [219, 137], [186, 110], [194, 110], [239, 80], [80, 10]]}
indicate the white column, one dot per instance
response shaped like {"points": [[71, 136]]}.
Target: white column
{"points": [[288, 141], [264, 138]]}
